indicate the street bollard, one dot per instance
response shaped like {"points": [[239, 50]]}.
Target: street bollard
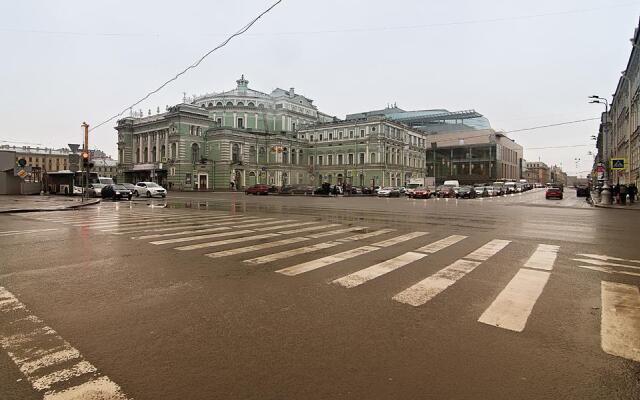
{"points": [[605, 196]]}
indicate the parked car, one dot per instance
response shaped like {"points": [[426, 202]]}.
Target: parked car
{"points": [[367, 190], [258, 189], [466, 192], [482, 191], [297, 189], [129, 186], [447, 192], [490, 190], [582, 190], [389, 192], [355, 190], [376, 189], [149, 189], [116, 191], [510, 187], [553, 192], [95, 189], [421, 193]]}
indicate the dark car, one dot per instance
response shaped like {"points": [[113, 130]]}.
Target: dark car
{"points": [[447, 192], [297, 189], [116, 191], [582, 190], [258, 189], [467, 192], [553, 192]]}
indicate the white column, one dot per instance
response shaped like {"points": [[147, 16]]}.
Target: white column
{"points": [[256, 116], [158, 155], [284, 123], [245, 121], [148, 147], [166, 144], [235, 120]]}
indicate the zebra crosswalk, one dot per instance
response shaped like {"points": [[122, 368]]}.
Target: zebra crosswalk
{"points": [[293, 248]]}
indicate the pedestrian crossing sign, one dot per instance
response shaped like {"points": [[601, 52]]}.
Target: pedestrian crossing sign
{"points": [[618, 164]]}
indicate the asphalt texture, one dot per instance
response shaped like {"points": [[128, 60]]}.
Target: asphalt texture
{"points": [[164, 323]]}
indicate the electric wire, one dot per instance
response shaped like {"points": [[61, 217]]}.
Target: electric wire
{"points": [[192, 66]]}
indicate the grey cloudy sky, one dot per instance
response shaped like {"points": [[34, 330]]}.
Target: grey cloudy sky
{"points": [[520, 63]]}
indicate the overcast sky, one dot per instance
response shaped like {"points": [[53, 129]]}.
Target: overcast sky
{"points": [[520, 63]]}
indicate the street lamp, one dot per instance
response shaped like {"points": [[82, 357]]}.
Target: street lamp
{"points": [[605, 195]]}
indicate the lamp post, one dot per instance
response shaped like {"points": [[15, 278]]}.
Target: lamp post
{"points": [[605, 195]]}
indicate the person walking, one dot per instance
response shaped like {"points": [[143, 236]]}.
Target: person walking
{"points": [[623, 194], [633, 190], [616, 192]]}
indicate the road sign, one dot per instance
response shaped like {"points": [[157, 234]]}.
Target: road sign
{"points": [[618, 164], [22, 162], [74, 162], [22, 172]]}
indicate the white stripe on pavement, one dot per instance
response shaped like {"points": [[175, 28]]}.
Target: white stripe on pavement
{"points": [[27, 232], [399, 239], [227, 241], [176, 226], [201, 237], [441, 244], [155, 221], [45, 382], [101, 388], [428, 288], [324, 261], [620, 327], [511, 309], [488, 250], [159, 224], [311, 228], [315, 247], [247, 249], [605, 258], [367, 274], [197, 231], [604, 263], [543, 258]]}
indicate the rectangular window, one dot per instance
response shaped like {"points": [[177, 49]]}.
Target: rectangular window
{"points": [[350, 159], [310, 160], [219, 121], [361, 132], [340, 159], [320, 160], [350, 134], [329, 160], [331, 136], [240, 123], [320, 137], [361, 158]]}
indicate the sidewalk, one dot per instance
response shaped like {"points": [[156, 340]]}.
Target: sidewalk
{"points": [[628, 206], [30, 203]]}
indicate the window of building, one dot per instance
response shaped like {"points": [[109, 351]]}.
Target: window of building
{"points": [[372, 158], [252, 153], [240, 104], [195, 153], [350, 158], [330, 159], [219, 104], [235, 152], [361, 158], [361, 132], [310, 160], [320, 160], [251, 104], [340, 135], [331, 136], [350, 134], [240, 123], [229, 104], [320, 137], [373, 129], [340, 159], [219, 121]]}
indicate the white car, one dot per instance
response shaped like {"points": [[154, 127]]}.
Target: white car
{"points": [[95, 189], [149, 189]]}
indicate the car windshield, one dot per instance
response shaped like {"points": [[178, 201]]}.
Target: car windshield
{"points": [[151, 184]]}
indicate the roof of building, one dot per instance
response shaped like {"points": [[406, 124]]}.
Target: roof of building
{"points": [[36, 150]]}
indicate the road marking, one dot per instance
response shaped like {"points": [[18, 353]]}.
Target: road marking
{"points": [[201, 237], [324, 261], [182, 224], [197, 231], [227, 241], [300, 230], [26, 232], [36, 346], [176, 226], [620, 326], [257, 247], [605, 258], [266, 223], [315, 247], [157, 222], [336, 232], [608, 270], [375, 271], [511, 309], [543, 258], [488, 250], [428, 288], [440, 244], [604, 263]]}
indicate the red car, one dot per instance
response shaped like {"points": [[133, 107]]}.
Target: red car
{"points": [[553, 193], [258, 189], [421, 193]]}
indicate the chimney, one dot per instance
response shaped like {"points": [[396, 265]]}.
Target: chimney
{"points": [[292, 92]]}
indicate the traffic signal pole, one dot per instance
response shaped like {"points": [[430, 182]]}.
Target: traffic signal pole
{"points": [[85, 160]]}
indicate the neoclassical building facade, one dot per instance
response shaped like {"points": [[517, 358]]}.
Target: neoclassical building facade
{"points": [[243, 136]]}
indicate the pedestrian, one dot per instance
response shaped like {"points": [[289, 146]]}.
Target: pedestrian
{"points": [[616, 192], [633, 190], [232, 184], [623, 194]]}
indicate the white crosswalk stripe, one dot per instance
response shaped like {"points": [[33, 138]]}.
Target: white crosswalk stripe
{"points": [[26, 232], [227, 241], [620, 327], [201, 237], [328, 260], [430, 287], [375, 271], [173, 227]]}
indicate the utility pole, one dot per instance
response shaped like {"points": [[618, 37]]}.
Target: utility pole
{"points": [[85, 160]]}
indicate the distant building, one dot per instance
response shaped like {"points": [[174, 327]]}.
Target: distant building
{"points": [[556, 175], [105, 167], [43, 159], [538, 172]]}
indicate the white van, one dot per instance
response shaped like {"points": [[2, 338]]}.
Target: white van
{"points": [[105, 180], [452, 183]]}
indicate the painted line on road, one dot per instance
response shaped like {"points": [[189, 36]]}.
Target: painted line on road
{"points": [[319, 246], [206, 220], [332, 259], [620, 326], [128, 228], [511, 309], [33, 346], [227, 241], [201, 237], [604, 263], [176, 226], [428, 288], [606, 258], [160, 220], [543, 257], [2, 234], [375, 271]]}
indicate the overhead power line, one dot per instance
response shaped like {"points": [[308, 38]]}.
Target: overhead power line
{"points": [[192, 66], [552, 125]]}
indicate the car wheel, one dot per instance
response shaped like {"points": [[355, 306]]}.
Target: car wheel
{"points": [[164, 195], [148, 194]]}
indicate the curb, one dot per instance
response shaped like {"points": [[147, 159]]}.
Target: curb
{"points": [[72, 207], [616, 207]]}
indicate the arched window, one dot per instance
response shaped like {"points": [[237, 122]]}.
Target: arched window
{"points": [[251, 104], [195, 153], [145, 155], [252, 153], [174, 151], [163, 152], [153, 154], [260, 105], [229, 104], [294, 158], [240, 104], [210, 105], [285, 155], [219, 104]]}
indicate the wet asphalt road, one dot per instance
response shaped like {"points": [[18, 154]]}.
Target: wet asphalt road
{"points": [[164, 321]]}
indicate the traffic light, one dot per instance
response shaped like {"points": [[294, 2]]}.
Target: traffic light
{"points": [[85, 161]]}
